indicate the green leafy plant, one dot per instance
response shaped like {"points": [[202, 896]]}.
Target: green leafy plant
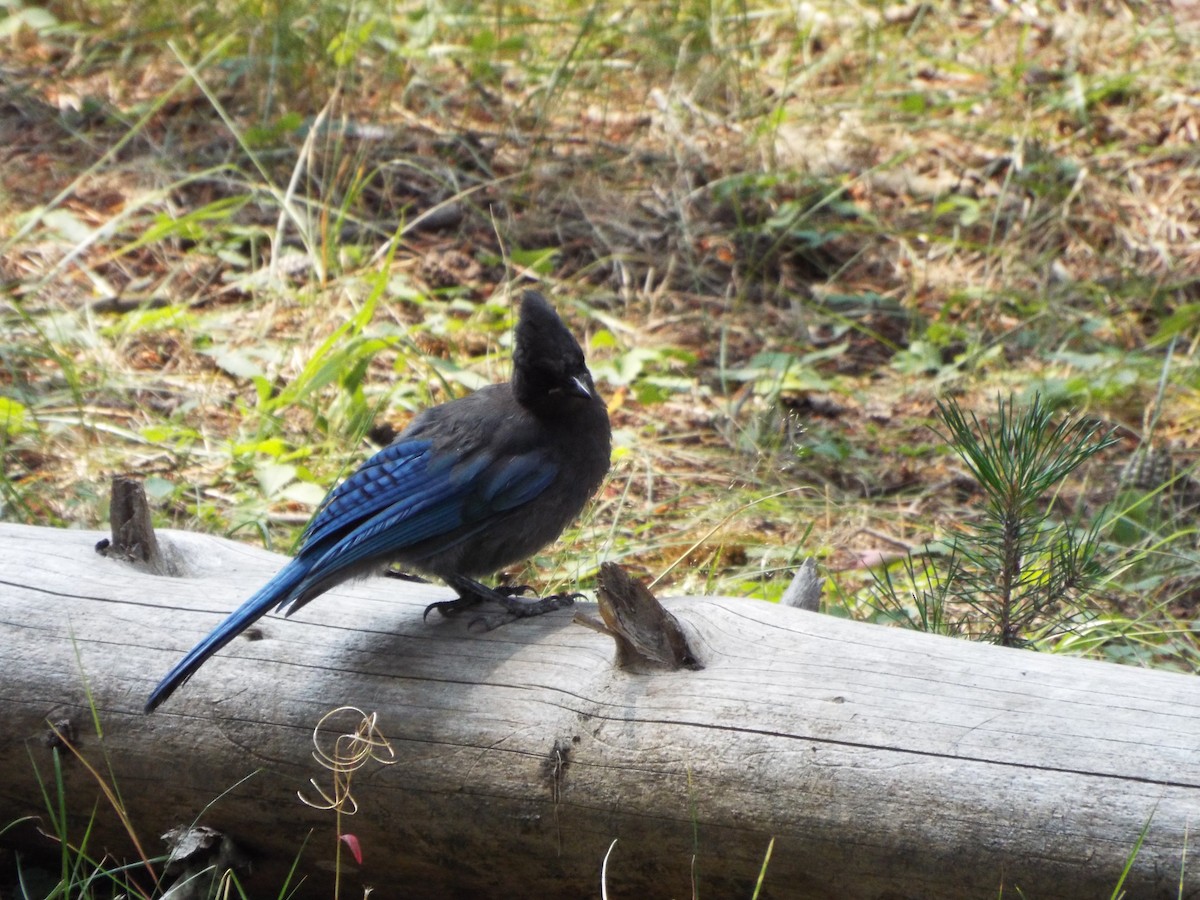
{"points": [[1016, 568]]}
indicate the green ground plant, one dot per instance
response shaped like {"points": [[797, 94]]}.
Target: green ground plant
{"points": [[1018, 568], [293, 232]]}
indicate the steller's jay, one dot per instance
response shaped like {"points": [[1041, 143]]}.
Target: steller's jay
{"points": [[470, 487]]}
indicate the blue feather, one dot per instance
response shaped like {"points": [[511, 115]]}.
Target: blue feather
{"points": [[283, 584], [387, 477]]}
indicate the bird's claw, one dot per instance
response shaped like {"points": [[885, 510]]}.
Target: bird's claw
{"points": [[523, 609], [449, 608], [515, 609], [508, 597]]}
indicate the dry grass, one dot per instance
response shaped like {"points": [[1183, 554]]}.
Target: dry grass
{"points": [[895, 205]]}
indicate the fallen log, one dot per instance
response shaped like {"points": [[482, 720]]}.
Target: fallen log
{"points": [[883, 763]]}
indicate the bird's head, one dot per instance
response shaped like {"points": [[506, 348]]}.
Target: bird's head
{"points": [[550, 374]]}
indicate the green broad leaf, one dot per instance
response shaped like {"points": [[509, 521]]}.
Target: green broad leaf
{"points": [[1182, 320], [272, 447], [304, 492], [33, 18], [541, 261], [13, 415], [914, 103], [158, 488], [274, 477], [67, 226], [168, 433], [237, 364], [919, 358], [603, 340]]}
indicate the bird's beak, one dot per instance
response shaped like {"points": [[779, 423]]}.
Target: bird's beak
{"points": [[582, 388]]}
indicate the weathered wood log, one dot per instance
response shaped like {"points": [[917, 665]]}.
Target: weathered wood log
{"points": [[884, 763]]}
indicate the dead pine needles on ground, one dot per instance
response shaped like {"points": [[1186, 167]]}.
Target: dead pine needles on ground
{"points": [[237, 250]]}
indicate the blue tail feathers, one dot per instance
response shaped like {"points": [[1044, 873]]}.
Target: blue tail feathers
{"points": [[276, 592]]}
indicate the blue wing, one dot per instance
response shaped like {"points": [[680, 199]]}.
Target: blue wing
{"points": [[390, 475], [403, 495], [406, 494]]}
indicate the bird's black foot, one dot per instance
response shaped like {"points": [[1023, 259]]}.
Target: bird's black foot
{"points": [[507, 597], [453, 607], [517, 608], [512, 590], [523, 609]]}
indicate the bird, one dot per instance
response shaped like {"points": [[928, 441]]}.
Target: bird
{"points": [[469, 487]]}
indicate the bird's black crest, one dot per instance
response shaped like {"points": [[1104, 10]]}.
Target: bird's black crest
{"points": [[548, 364]]}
